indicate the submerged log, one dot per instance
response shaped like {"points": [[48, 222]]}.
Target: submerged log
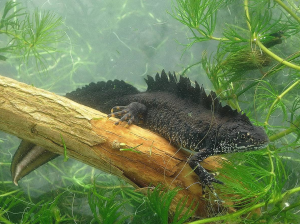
{"points": [[44, 118]]}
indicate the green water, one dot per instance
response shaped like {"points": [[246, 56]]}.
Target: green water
{"points": [[129, 40]]}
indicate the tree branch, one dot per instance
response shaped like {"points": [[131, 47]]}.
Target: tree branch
{"points": [[42, 118]]}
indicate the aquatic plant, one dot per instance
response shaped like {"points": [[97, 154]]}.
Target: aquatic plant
{"points": [[29, 36], [256, 66], [253, 67]]}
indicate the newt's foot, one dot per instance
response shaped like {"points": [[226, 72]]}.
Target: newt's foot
{"points": [[207, 183], [130, 113], [205, 177]]}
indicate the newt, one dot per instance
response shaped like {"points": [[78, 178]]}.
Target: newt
{"points": [[175, 109]]}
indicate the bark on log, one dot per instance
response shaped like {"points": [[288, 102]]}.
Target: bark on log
{"points": [[42, 117]]}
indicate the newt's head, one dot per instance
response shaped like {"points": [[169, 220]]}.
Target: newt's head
{"points": [[239, 135]]}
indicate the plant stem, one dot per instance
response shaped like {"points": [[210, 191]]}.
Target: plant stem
{"points": [[246, 210], [10, 33], [280, 66], [247, 14], [279, 98], [210, 37], [4, 220], [276, 57], [185, 70], [272, 168], [286, 132], [288, 10], [9, 193]]}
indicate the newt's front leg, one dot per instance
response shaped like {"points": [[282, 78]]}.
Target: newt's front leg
{"points": [[131, 113]]}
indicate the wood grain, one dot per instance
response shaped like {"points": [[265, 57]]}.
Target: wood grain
{"points": [[43, 117]]}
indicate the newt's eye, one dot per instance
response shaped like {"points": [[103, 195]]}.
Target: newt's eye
{"points": [[244, 135]]}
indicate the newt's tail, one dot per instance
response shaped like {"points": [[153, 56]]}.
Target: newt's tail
{"points": [[27, 158]]}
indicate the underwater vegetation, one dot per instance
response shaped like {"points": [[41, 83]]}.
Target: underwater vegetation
{"points": [[252, 64], [30, 36]]}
